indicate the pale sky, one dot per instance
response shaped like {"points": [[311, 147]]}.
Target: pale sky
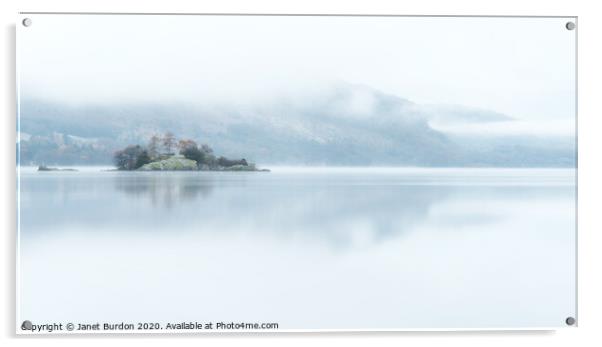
{"points": [[522, 67]]}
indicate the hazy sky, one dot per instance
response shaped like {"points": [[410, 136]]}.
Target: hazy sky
{"points": [[522, 67]]}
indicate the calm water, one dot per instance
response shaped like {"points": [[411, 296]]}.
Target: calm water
{"points": [[339, 248]]}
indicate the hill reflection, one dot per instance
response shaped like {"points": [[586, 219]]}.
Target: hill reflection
{"points": [[340, 209]]}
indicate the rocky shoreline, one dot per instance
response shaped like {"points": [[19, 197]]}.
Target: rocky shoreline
{"points": [[180, 163]]}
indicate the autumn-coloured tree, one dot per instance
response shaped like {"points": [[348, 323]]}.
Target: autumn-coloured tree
{"points": [[185, 144]]}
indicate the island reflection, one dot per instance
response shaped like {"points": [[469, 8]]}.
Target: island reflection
{"points": [[329, 208]]}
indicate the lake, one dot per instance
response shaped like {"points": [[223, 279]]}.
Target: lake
{"points": [[308, 248]]}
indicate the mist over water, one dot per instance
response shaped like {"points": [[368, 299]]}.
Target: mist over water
{"points": [[304, 247], [310, 90]]}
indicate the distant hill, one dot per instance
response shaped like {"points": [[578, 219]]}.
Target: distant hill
{"points": [[343, 125]]}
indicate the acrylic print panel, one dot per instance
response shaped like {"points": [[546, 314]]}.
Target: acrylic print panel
{"points": [[194, 173]]}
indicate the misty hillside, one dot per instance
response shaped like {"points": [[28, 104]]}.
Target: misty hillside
{"points": [[343, 125]]}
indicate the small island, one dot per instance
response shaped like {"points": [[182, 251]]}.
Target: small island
{"points": [[159, 155], [46, 168]]}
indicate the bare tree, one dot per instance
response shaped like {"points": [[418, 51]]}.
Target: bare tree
{"points": [[153, 146], [169, 142]]}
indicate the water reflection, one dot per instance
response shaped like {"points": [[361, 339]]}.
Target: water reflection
{"points": [[166, 191], [337, 209], [362, 250]]}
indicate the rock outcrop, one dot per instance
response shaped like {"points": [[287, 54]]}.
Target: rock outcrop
{"points": [[175, 163]]}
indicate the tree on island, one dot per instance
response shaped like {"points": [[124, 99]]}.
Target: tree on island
{"points": [[131, 158], [153, 146], [134, 157], [227, 162], [203, 156], [169, 142], [190, 150], [185, 144]]}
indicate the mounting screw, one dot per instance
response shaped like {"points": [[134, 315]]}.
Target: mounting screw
{"points": [[26, 22], [27, 325], [570, 25], [570, 321]]}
